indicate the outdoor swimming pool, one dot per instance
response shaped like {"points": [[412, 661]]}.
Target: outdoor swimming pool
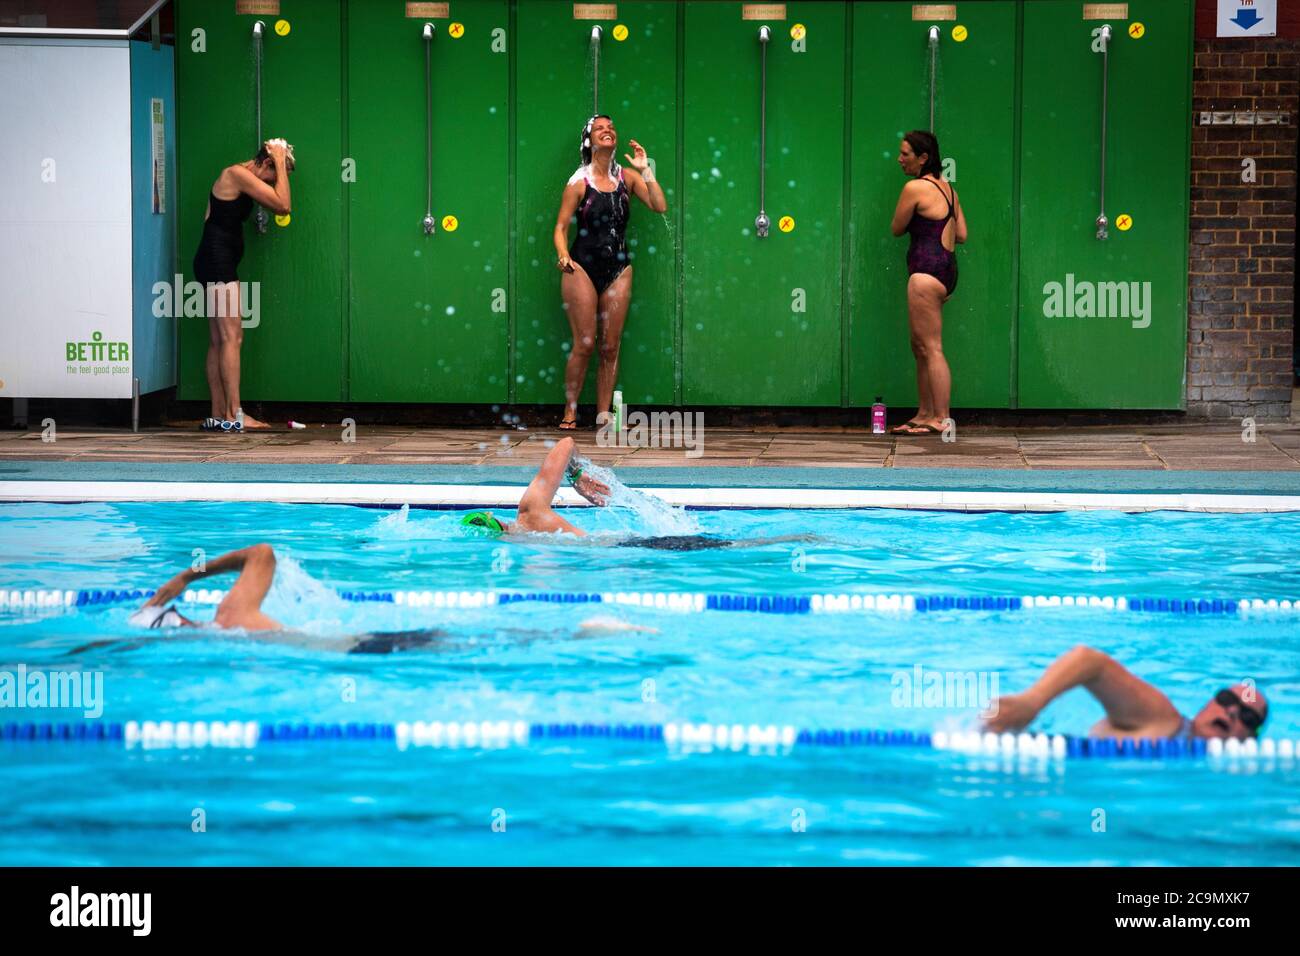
{"points": [[604, 800]]}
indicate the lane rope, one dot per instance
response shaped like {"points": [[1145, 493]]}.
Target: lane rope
{"points": [[676, 737], [38, 600]]}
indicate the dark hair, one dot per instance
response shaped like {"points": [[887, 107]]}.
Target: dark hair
{"points": [[586, 136], [924, 142], [264, 156]]}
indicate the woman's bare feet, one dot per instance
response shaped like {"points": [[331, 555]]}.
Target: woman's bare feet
{"points": [[252, 424]]}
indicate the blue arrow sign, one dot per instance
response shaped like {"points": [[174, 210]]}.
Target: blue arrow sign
{"points": [[1246, 18]]}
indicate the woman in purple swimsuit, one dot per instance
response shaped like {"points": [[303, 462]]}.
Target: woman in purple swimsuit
{"points": [[929, 210]]}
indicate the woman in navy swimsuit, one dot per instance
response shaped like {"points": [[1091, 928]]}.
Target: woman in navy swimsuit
{"points": [[263, 179], [597, 277], [928, 209]]}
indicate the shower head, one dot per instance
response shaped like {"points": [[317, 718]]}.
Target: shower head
{"points": [[1105, 36], [764, 34], [258, 27], [596, 32], [428, 31], [934, 34]]}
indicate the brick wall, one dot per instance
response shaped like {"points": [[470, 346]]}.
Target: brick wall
{"points": [[1241, 295]]}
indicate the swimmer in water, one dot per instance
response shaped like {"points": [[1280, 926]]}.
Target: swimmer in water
{"points": [[536, 513], [242, 605], [1134, 708], [242, 608]]}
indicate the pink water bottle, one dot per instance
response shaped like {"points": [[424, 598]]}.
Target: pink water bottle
{"points": [[878, 417]]}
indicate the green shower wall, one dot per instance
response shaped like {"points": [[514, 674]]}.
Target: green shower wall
{"points": [[358, 304], [975, 114], [297, 349], [1096, 362]]}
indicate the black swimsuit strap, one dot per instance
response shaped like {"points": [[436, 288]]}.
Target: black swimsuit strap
{"points": [[943, 194]]}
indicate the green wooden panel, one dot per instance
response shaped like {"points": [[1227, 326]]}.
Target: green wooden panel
{"points": [[553, 100], [761, 319], [295, 353], [428, 317], [974, 121], [1135, 359]]}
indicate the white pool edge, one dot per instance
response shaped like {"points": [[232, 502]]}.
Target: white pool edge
{"points": [[507, 496]]}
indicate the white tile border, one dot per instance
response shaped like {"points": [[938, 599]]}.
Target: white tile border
{"points": [[507, 496]]}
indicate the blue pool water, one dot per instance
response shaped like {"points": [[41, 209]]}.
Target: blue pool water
{"points": [[609, 801]]}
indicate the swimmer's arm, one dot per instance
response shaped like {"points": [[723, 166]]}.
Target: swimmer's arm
{"points": [[1130, 702], [535, 505], [242, 606], [960, 235], [649, 193], [276, 200], [903, 211], [568, 206]]}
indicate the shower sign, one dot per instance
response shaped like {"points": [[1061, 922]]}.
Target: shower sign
{"points": [[270, 8], [427, 11], [934, 11], [762, 11], [1105, 11], [595, 11]]}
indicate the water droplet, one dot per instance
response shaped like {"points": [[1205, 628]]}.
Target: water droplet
{"points": [[451, 310]]}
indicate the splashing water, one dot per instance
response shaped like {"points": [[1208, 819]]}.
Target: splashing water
{"points": [[298, 600], [640, 512]]}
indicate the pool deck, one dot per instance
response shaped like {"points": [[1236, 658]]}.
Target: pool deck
{"points": [[1200, 467], [1196, 447]]}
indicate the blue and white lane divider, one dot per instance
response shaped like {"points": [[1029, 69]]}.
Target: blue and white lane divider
{"points": [[676, 737], [31, 601]]}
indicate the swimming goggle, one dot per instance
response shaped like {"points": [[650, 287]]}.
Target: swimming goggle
{"points": [[156, 617], [1249, 717], [480, 522]]}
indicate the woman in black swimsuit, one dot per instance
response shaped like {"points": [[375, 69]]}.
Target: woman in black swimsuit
{"points": [[929, 210], [597, 280], [263, 179]]}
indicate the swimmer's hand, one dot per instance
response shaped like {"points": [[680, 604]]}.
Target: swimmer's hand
{"points": [[1011, 713], [612, 625], [593, 489], [638, 161], [171, 590], [276, 150], [565, 264]]}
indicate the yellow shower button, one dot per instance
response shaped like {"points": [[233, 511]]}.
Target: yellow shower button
{"points": [[457, 30], [959, 33], [620, 32], [1124, 222], [1137, 30], [450, 223], [785, 223], [282, 27], [282, 220], [798, 31]]}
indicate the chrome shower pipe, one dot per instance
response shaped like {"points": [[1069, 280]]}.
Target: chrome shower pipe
{"points": [[1103, 223], [260, 220], [762, 224], [427, 222]]}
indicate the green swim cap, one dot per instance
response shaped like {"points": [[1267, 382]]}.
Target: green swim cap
{"points": [[480, 522]]}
